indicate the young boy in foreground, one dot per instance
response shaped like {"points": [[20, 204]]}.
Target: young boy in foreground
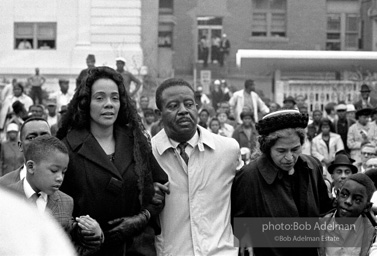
{"points": [[354, 233], [46, 162]]}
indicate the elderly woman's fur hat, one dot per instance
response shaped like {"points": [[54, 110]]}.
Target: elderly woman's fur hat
{"points": [[280, 120]]}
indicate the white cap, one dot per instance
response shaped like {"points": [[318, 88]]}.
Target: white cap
{"points": [[12, 127], [351, 108], [341, 107], [121, 59], [217, 82]]}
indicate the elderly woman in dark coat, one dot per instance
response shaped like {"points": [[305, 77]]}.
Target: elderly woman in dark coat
{"points": [[281, 182], [111, 169]]}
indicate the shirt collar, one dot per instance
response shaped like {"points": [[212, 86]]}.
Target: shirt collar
{"points": [[358, 224], [29, 191], [23, 172], [204, 137]]}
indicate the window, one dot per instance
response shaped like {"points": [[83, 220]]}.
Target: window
{"points": [[333, 32], [269, 18], [166, 6], [165, 35], [352, 32], [210, 29], [34, 36], [342, 32]]}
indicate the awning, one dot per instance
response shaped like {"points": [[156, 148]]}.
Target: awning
{"points": [[267, 61]]}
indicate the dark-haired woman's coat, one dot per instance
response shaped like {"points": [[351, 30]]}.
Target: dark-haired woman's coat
{"points": [[260, 189], [103, 189]]}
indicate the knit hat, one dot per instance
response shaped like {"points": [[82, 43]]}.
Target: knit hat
{"points": [[282, 119]]}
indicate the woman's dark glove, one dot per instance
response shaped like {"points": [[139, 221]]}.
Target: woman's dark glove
{"points": [[126, 227], [158, 201]]}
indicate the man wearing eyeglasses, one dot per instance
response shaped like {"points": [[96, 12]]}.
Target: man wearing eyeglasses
{"points": [[368, 151]]}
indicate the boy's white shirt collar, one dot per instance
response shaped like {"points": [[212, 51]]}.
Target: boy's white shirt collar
{"points": [[42, 199]]}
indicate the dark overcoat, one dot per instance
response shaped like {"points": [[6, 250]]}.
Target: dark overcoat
{"points": [[259, 190], [103, 189]]}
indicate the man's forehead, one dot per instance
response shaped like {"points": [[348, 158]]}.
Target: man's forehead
{"points": [[35, 127], [372, 161], [369, 149], [341, 168]]}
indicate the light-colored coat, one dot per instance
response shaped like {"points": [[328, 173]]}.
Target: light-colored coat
{"points": [[237, 103], [320, 151], [199, 199], [319, 147], [354, 139]]}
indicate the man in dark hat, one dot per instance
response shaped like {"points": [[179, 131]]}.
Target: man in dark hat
{"points": [[358, 133], [90, 62], [340, 169], [366, 101], [289, 103], [342, 123]]}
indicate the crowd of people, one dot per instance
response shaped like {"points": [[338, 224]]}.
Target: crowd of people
{"points": [[123, 178]]}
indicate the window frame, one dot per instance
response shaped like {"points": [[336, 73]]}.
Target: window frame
{"points": [[343, 32], [269, 14], [35, 38]]}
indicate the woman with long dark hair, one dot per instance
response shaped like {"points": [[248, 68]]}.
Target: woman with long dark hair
{"points": [[111, 170]]}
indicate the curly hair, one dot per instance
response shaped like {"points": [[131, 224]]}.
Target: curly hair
{"points": [[78, 112], [267, 141], [78, 117]]}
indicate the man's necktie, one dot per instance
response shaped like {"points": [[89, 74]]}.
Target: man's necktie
{"points": [[33, 199], [182, 152]]}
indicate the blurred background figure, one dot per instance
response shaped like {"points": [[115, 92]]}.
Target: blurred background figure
{"points": [[289, 103], [368, 151], [217, 94], [11, 157], [246, 134], [52, 115], [64, 96], [203, 118], [317, 116], [300, 99], [214, 126], [366, 101], [245, 155], [325, 145], [303, 108], [351, 112], [358, 133], [17, 95], [225, 128], [224, 49], [36, 111], [307, 146], [342, 124], [148, 120], [330, 111], [90, 62], [36, 81], [128, 77], [247, 97], [371, 164], [274, 107], [55, 127]]}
